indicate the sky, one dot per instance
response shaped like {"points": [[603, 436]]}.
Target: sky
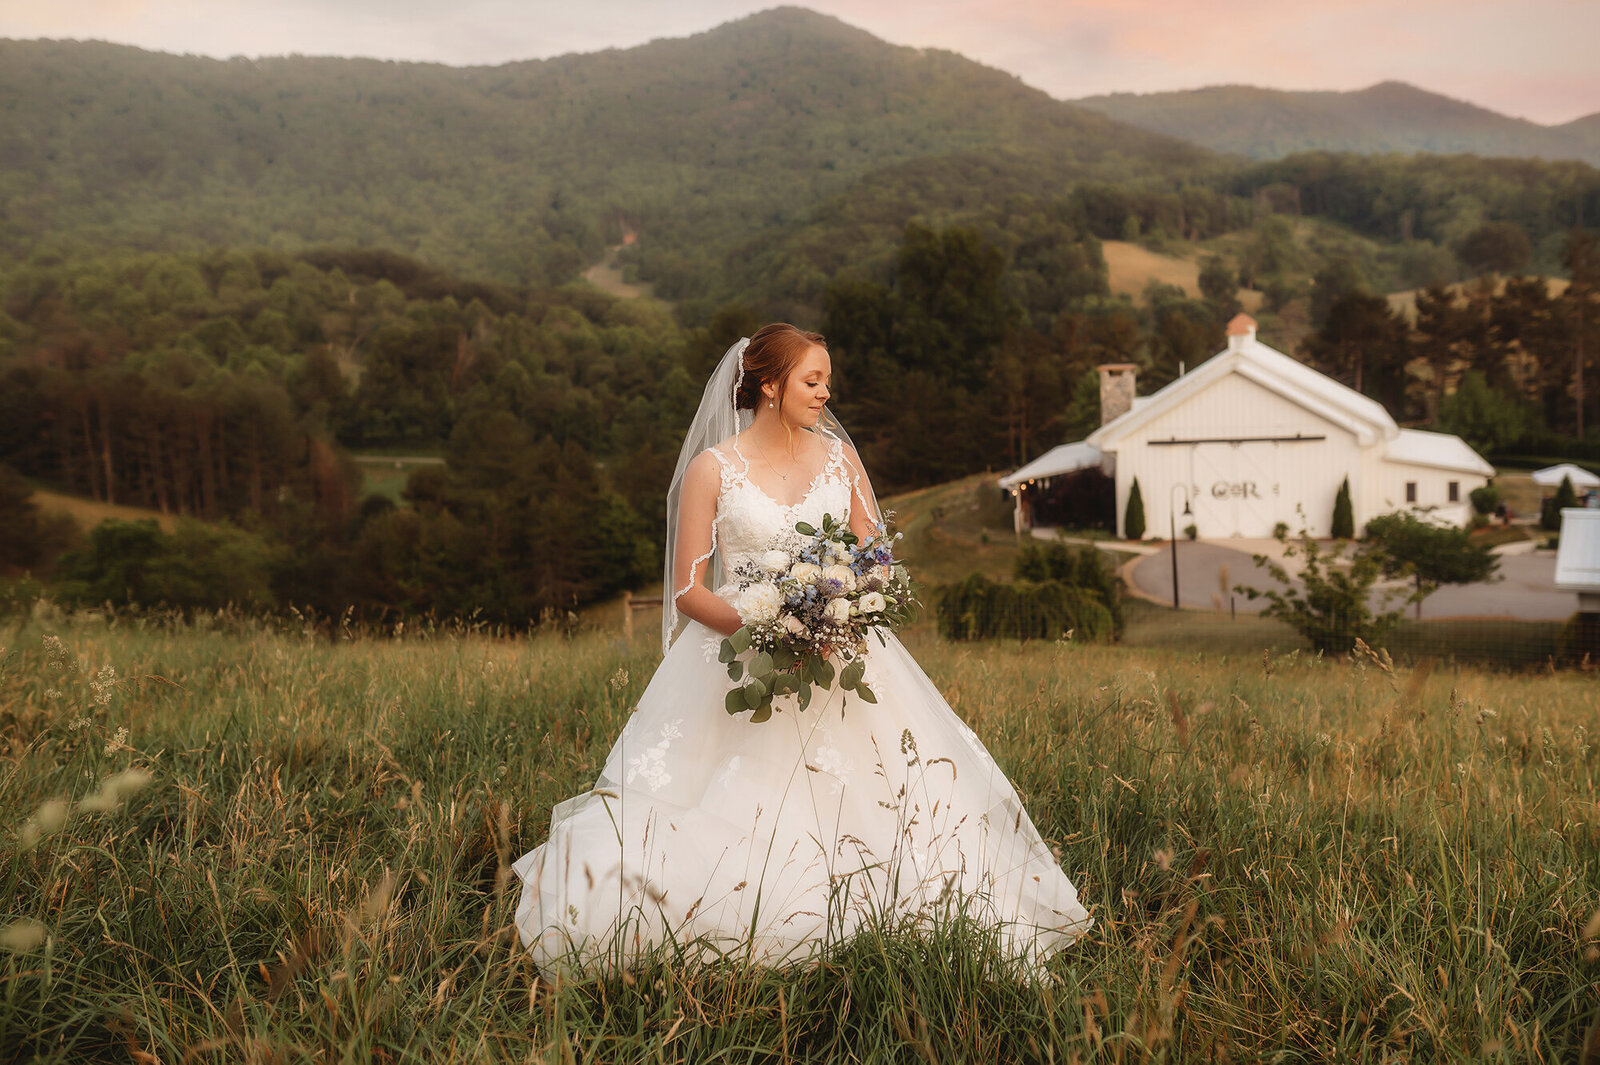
{"points": [[1532, 59]]}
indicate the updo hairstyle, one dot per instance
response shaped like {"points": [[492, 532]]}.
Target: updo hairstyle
{"points": [[772, 354]]}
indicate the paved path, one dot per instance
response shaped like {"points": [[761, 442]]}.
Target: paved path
{"points": [[1526, 591]]}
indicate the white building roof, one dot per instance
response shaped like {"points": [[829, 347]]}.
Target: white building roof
{"points": [[1058, 460], [1441, 450], [1272, 369], [1363, 416], [1550, 476]]}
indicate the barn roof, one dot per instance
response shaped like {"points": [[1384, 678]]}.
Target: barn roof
{"points": [[1441, 450], [1363, 416], [1066, 458]]}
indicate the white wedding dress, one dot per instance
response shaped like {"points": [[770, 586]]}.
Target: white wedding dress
{"points": [[711, 834]]}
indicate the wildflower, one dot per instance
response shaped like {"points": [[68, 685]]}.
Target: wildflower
{"points": [[102, 684], [119, 742], [57, 652]]}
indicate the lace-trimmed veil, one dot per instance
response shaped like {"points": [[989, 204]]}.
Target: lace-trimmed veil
{"points": [[715, 421]]}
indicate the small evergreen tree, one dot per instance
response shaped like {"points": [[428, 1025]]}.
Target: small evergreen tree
{"points": [[1133, 517], [1550, 514], [1344, 518]]}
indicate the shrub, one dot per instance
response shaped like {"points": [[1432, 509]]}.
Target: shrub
{"points": [[1330, 605], [1485, 499], [1344, 519], [978, 608], [1133, 517], [199, 566], [1550, 512], [1085, 569]]}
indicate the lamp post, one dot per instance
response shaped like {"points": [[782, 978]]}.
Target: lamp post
{"points": [[1172, 528]]}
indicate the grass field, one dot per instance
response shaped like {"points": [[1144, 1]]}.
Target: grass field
{"points": [[1294, 859], [87, 513]]}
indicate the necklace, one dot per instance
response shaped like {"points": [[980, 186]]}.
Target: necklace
{"points": [[774, 469]]}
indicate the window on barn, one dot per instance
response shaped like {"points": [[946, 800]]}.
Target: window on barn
{"points": [[1455, 491], [1411, 491]]}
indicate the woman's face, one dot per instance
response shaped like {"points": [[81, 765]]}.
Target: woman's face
{"points": [[807, 388]]}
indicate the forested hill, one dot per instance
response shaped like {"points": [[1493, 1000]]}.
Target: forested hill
{"points": [[519, 173], [1388, 117]]}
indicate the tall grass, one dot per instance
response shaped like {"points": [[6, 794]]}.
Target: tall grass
{"points": [[1289, 858]]}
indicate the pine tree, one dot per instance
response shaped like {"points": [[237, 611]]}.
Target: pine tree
{"points": [[1133, 517], [1344, 519]]}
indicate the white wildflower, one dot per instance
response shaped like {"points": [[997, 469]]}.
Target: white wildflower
{"points": [[775, 561], [873, 602], [838, 610], [795, 626], [102, 684], [119, 742]]}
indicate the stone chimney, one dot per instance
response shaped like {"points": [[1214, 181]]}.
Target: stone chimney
{"points": [[1116, 390], [1241, 330]]}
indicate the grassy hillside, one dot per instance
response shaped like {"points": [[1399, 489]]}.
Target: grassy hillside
{"points": [[521, 172], [305, 845], [1387, 117]]}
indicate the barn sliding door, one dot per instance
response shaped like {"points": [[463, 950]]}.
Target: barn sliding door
{"points": [[1236, 487]]}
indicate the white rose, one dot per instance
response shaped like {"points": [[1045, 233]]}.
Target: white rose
{"points": [[872, 602], [805, 572], [775, 561], [795, 626], [842, 574], [759, 604], [837, 610]]}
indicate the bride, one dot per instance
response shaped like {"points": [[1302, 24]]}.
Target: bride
{"points": [[708, 833]]}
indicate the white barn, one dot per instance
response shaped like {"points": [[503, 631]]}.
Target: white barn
{"points": [[1250, 435]]}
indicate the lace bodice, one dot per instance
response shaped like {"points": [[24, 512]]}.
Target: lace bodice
{"points": [[749, 521]]}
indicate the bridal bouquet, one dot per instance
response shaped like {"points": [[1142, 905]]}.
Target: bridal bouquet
{"points": [[827, 589]]}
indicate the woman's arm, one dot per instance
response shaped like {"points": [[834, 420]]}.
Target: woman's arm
{"points": [[864, 517], [697, 509]]}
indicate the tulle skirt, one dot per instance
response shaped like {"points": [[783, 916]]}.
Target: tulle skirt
{"points": [[712, 835]]}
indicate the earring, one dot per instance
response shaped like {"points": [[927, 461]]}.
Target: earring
{"points": [[770, 403]]}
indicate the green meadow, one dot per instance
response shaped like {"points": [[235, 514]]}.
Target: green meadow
{"points": [[234, 842]]}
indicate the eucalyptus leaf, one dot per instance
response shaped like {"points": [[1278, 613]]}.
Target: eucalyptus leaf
{"points": [[866, 694], [727, 653], [735, 702], [824, 673], [741, 640], [762, 713], [805, 694], [735, 670], [761, 666], [754, 692]]}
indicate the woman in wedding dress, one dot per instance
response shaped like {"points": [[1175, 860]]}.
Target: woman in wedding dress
{"points": [[711, 834]]}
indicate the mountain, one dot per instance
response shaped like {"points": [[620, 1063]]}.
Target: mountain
{"points": [[520, 172], [1388, 117]]}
